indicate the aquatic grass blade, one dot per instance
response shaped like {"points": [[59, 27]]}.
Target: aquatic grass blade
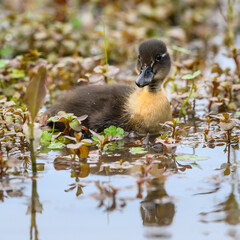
{"points": [[34, 97]]}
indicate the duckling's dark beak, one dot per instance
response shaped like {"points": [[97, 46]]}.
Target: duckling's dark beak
{"points": [[145, 77]]}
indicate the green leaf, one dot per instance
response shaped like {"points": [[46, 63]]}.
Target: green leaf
{"points": [[56, 145], [114, 131], [76, 22], [46, 138], [87, 142], [95, 139], [190, 158], [69, 117], [196, 165], [180, 49], [17, 73], [112, 146], [53, 119], [63, 140], [2, 63], [75, 125], [195, 74], [36, 92], [137, 150], [6, 51], [191, 76]]}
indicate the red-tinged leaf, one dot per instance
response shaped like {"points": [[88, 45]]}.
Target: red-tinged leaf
{"points": [[70, 189], [182, 169], [87, 142], [56, 136], [226, 126], [148, 169], [61, 163], [84, 128], [74, 146], [75, 125], [70, 138], [184, 166], [84, 170], [84, 151], [77, 136], [63, 120], [10, 110], [98, 136], [79, 191], [82, 118], [227, 172], [36, 92]]}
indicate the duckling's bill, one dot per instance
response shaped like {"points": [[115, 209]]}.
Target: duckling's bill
{"points": [[145, 77]]}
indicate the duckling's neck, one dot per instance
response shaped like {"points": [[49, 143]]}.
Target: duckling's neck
{"points": [[147, 108], [155, 86]]}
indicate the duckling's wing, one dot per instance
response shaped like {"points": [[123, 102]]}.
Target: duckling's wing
{"points": [[104, 104]]}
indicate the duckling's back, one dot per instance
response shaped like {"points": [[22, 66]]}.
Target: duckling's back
{"points": [[104, 104]]}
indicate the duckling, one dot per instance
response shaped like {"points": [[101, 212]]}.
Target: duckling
{"points": [[140, 109]]}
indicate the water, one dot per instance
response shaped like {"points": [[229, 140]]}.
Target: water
{"points": [[198, 203]]}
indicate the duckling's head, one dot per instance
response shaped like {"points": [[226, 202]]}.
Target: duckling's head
{"points": [[153, 64]]}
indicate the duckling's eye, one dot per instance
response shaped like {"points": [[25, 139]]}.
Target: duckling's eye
{"points": [[159, 57]]}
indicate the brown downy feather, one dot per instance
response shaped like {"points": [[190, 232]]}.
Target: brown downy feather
{"points": [[102, 103]]}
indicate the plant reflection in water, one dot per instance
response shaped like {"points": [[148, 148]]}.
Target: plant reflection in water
{"points": [[33, 208]]}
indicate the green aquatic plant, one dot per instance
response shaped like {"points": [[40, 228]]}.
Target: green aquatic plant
{"points": [[71, 122], [138, 150], [105, 49], [109, 134], [80, 147], [34, 98], [189, 77], [176, 127]]}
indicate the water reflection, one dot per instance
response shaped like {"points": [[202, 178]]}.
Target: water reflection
{"points": [[157, 208], [33, 208], [8, 189], [230, 208], [227, 210]]}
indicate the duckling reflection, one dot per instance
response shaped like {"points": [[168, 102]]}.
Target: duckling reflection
{"points": [[139, 109], [156, 208]]}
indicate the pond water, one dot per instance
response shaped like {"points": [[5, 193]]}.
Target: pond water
{"points": [[192, 191], [200, 203]]}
